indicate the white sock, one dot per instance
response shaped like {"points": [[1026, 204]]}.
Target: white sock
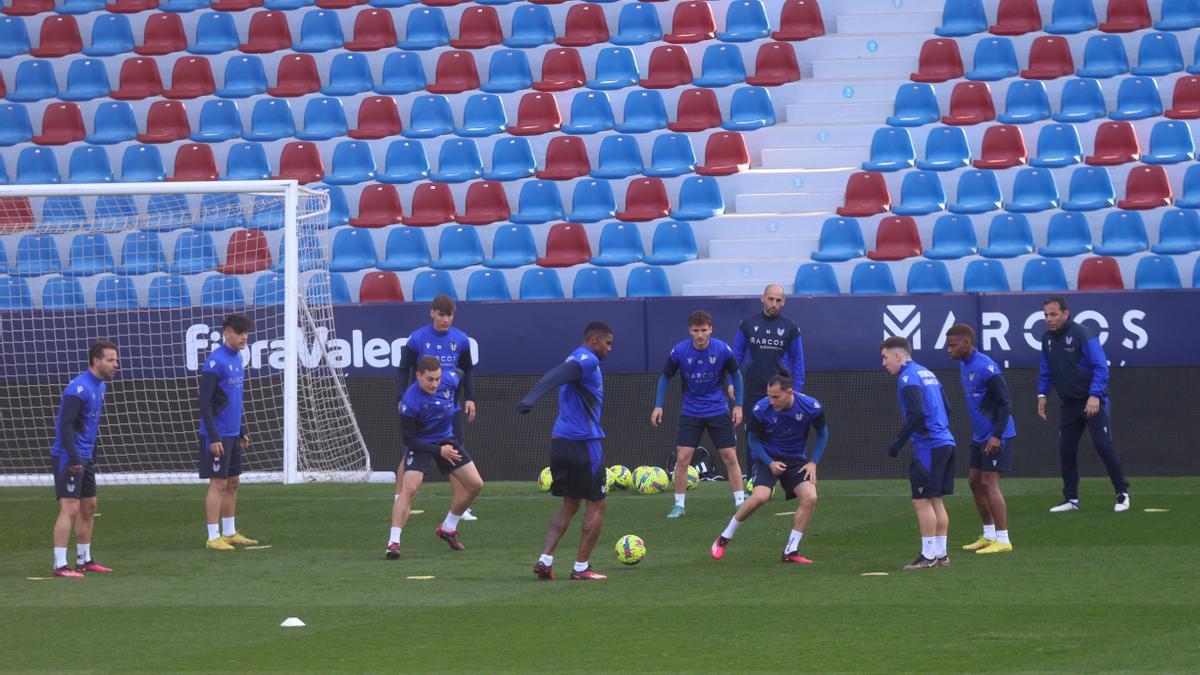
{"points": [[927, 547], [581, 566], [739, 496], [793, 543], [83, 552], [546, 560], [214, 531], [679, 500], [939, 546], [394, 537], [227, 527], [1002, 536], [60, 557], [396, 497], [450, 524], [731, 528], [989, 532]]}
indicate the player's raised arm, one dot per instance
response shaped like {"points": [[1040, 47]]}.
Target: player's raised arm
{"points": [[567, 371]]}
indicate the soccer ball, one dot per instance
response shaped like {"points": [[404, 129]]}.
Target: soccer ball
{"points": [[639, 474], [749, 485], [631, 549], [619, 477], [653, 481], [545, 479], [693, 479]]}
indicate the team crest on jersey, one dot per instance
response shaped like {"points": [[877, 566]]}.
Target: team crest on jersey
{"points": [[755, 328], [1068, 340], [799, 416], [689, 360], [971, 376], [712, 358], [779, 331], [453, 346]]}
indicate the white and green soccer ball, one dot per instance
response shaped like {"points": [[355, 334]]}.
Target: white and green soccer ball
{"points": [[631, 549], [545, 479], [693, 478], [619, 477], [639, 475], [653, 481]]}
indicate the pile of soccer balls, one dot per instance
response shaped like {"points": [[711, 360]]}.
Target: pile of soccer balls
{"points": [[646, 480]]}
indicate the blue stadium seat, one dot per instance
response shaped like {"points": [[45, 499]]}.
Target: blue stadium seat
{"points": [[270, 120], [745, 20], [929, 276], [916, 105], [324, 287], [220, 212], [112, 34], [90, 255], [116, 293], [1178, 15], [841, 239], [512, 159], [15, 294], [673, 242], [953, 238], [87, 6], [512, 246], [1009, 236], [644, 111], [353, 249], [142, 163], [266, 213], [1104, 56], [1123, 233], [425, 29], [891, 150], [961, 18], [619, 157], [349, 74], [749, 109], [648, 281], [487, 285], [620, 244], [403, 3], [37, 165], [14, 38], [1071, 16], [1090, 189], [352, 163], [1081, 100], [921, 193], [1057, 146], [594, 283], [670, 156], [637, 24], [1137, 98], [431, 283], [531, 27], [1158, 54], [1178, 232], [247, 161], [170, 212], [985, 276], [406, 249], [872, 277], [244, 76], [142, 253], [403, 74], [458, 161], [1190, 199], [404, 162], [1033, 190], [15, 126], [591, 111], [220, 290], [320, 31], [995, 59], [1025, 102], [1196, 275], [946, 148], [312, 254], [458, 247], [615, 69], [268, 289], [816, 278], [978, 192], [115, 212], [169, 291], [540, 202], [541, 284], [339, 209], [86, 80], [483, 115], [194, 253], [699, 198], [183, 6], [721, 66], [3, 258], [1170, 143], [324, 118], [508, 71], [34, 81], [591, 202], [1068, 234], [216, 33], [63, 212], [113, 123], [429, 117], [1156, 272], [219, 121]]}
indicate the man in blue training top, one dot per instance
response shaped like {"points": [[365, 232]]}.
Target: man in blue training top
{"points": [[779, 432], [223, 435], [452, 348], [931, 472], [73, 454], [992, 431], [432, 433], [1073, 362], [576, 459], [702, 362]]}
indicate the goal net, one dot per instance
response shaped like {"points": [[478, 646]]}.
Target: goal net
{"points": [[156, 268]]}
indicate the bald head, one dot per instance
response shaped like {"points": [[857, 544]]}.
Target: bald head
{"points": [[772, 300]]}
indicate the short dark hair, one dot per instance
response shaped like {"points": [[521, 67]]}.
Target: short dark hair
{"points": [[699, 318], [96, 351], [428, 364], [782, 379], [962, 330], [897, 342], [240, 323], [596, 328], [443, 304], [1056, 300]]}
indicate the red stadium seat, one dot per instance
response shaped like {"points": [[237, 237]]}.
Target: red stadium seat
{"points": [[339, 4], [373, 30], [939, 61], [486, 204], [866, 195], [62, 123], [235, 5], [1017, 17], [297, 75], [1003, 148], [970, 103], [29, 7], [799, 20], [774, 65], [195, 161], [163, 34], [697, 110], [669, 67], [1116, 143], [566, 158], [645, 199], [131, 6], [1146, 187], [478, 27], [537, 113], [3, 88], [268, 33], [1100, 274], [692, 22], [378, 206], [896, 239], [166, 121], [724, 154], [380, 287], [566, 245], [59, 37], [16, 215], [1126, 16], [455, 73], [1186, 100], [585, 26], [301, 162], [536, 2], [562, 69], [139, 79], [432, 204], [378, 117], [247, 252], [191, 78], [443, 3], [1049, 58]]}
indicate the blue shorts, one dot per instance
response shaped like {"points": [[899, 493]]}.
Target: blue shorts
{"points": [[1001, 462], [719, 427], [790, 479], [69, 485], [421, 461], [938, 479], [228, 465], [577, 467]]}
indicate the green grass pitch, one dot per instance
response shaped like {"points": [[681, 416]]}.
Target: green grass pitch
{"points": [[1083, 592]]}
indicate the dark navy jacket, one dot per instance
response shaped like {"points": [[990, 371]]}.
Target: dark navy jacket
{"points": [[1074, 363]]}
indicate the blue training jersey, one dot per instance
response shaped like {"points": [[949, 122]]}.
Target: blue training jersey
{"points": [[434, 412], [784, 433], [702, 372], [976, 370], [935, 432], [580, 402], [226, 364], [446, 347], [90, 390]]}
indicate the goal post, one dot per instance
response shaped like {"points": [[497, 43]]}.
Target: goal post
{"points": [[155, 268]]}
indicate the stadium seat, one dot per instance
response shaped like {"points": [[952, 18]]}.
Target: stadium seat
{"points": [[592, 201], [139, 79], [512, 246], [385, 286], [63, 212], [14, 37], [320, 31], [478, 27], [373, 30], [1033, 190], [985, 276], [591, 111], [815, 278], [191, 77], [487, 285], [349, 74], [745, 21], [301, 162], [1068, 234], [244, 77], [432, 204], [921, 193], [59, 36], [429, 116], [671, 155], [120, 293], [669, 67], [1185, 100], [378, 117], [246, 252], [352, 250], [1156, 272], [939, 61], [86, 80], [1104, 56], [562, 69], [1170, 143], [775, 64], [799, 20], [531, 26], [15, 126], [866, 195], [1043, 274], [673, 243], [508, 71], [537, 113], [1123, 233], [1178, 15], [953, 238], [1003, 148], [1090, 189], [142, 253], [217, 212], [512, 159], [1100, 274], [540, 284], [194, 252], [247, 161], [1057, 147], [15, 294], [425, 28], [1025, 102], [566, 158], [1009, 236], [268, 289], [644, 111], [620, 244], [268, 32], [195, 162], [37, 254], [167, 212], [486, 203], [929, 276], [1071, 16], [692, 22], [540, 202], [749, 109], [566, 245], [216, 33], [89, 164], [896, 239], [1158, 54], [169, 291], [406, 249], [378, 206], [1146, 187], [1081, 100], [891, 150], [458, 161], [163, 34], [946, 148], [1137, 98], [725, 153], [646, 199], [1115, 143], [699, 198], [324, 287], [841, 239], [1125, 16], [978, 192], [915, 105], [483, 115], [402, 74], [696, 110], [1178, 232], [1190, 199], [324, 118], [1049, 59], [352, 163], [455, 73], [34, 82], [89, 255], [296, 75], [166, 121], [615, 69], [594, 283], [37, 165], [961, 18], [970, 103], [637, 24], [1016, 17], [111, 34], [585, 26], [994, 59], [872, 278], [647, 281]]}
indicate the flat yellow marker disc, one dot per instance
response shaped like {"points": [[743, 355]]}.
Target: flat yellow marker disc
{"points": [[38, 578], [1156, 510], [874, 574], [255, 548], [417, 512], [786, 513], [420, 578]]}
